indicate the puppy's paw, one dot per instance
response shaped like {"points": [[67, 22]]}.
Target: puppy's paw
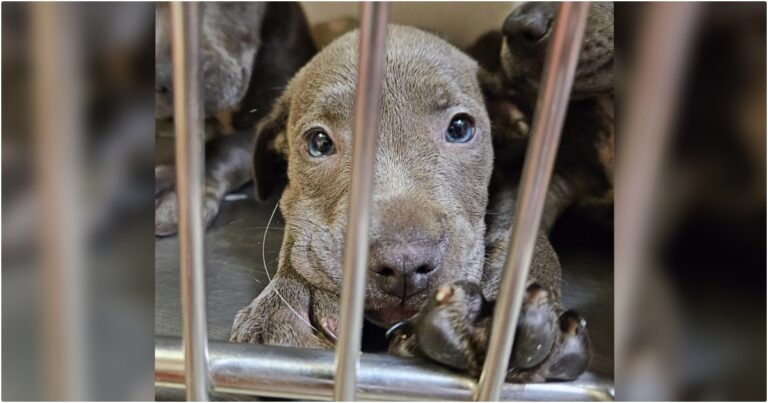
{"points": [[508, 116], [572, 351], [248, 326], [536, 328], [569, 357], [166, 203], [453, 329], [268, 320]]}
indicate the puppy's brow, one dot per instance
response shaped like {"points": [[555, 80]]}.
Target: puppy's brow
{"points": [[443, 98], [442, 102], [334, 95], [331, 104]]}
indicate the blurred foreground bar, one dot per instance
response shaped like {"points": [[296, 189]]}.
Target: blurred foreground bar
{"points": [[663, 50], [58, 144], [690, 203], [77, 185]]}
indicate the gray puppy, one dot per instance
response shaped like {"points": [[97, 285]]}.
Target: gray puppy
{"points": [[249, 52], [428, 218]]}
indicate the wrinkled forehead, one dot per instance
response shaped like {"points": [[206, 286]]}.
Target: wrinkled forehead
{"points": [[421, 77]]}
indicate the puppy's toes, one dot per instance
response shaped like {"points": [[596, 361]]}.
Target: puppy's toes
{"points": [[452, 327], [572, 351], [536, 329], [166, 210], [210, 210], [246, 327], [166, 214]]}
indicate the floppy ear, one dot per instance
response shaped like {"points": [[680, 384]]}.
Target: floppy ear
{"points": [[270, 151]]}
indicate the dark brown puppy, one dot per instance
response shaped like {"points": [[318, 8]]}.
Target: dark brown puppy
{"points": [[514, 57], [250, 51]]}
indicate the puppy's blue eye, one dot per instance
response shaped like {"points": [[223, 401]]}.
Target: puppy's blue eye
{"points": [[461, 129], [319, 143]]}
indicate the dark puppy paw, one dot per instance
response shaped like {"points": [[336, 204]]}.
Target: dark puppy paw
{"points": [[569, 357], [572, 351], [536, 328], [166, 203], [453, 329]]}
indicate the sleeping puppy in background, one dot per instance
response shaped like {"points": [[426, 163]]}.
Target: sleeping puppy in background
{"points": [[428, 230], [249, 52], [514, 59]]}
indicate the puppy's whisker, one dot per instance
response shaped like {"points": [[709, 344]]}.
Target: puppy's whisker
{"points": [[264, 261]]}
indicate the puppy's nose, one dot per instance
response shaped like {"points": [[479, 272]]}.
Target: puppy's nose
{"points": [[404, 268], [526, 28]]}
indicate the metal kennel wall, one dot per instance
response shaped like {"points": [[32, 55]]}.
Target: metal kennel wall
{"points": [[200, 366]]}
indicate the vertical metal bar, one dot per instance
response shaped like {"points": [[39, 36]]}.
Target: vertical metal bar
{"points": [[57, 152], [370, 79], [188, 122], [661, 56], [557, 79]]}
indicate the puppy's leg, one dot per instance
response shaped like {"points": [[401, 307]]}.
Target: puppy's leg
{"points": [[227, 167], [280, 316]]}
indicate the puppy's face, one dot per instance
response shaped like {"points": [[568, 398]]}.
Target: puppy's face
{"points": [[230, 37], [433, 165], [526, 38]]}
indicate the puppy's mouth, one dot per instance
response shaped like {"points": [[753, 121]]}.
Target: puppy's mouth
{"points": [[386, 310]]}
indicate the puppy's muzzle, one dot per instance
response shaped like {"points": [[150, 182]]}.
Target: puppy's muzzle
{"points": [[405, 267]]}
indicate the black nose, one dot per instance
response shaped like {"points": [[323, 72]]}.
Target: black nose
{"points": [[527, 27], [403, 268]]}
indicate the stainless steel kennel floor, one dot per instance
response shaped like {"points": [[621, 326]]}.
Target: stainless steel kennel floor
{"points": [[235, 273]]}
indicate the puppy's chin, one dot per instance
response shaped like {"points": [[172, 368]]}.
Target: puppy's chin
{"points": [[385, 311]]}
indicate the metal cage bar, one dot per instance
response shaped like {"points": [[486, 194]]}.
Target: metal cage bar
{"points": [[370, 79], [188, 126], [306, 374], [552, 103]]}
